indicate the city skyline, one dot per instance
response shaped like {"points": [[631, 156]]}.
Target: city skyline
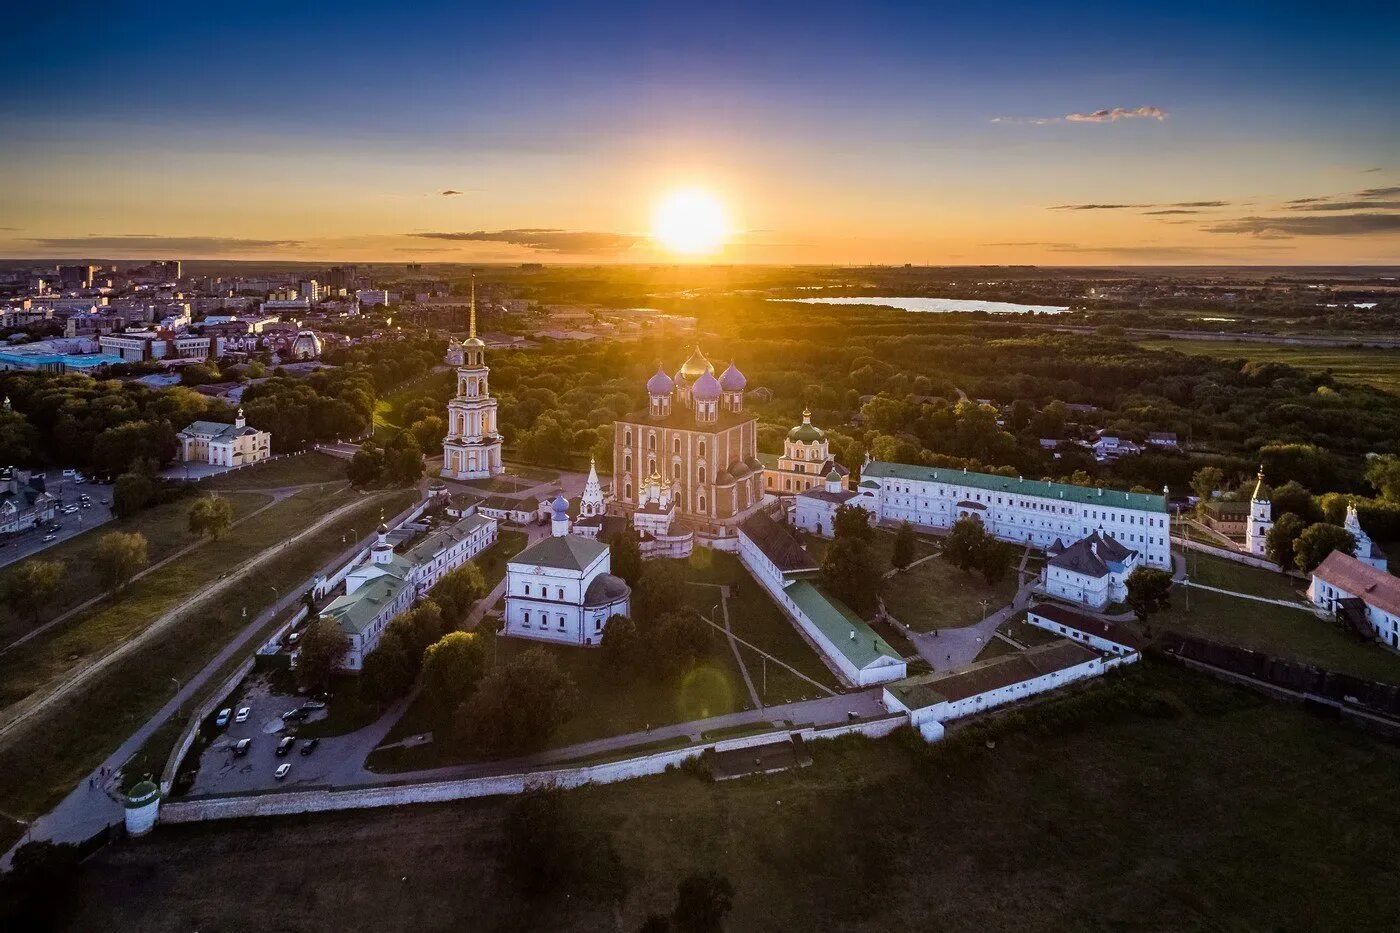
{"points": [[940, 135]]}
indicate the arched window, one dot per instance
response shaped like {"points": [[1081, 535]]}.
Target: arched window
{"points": [[627, 490], [676, 446], [627, 437], [651, 442], [675, 471], [702, 503], [700, 474], [651, 465], [702, 448], [627, 463]]}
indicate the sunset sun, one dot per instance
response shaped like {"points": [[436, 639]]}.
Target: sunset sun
{"points": [[689, 221]]}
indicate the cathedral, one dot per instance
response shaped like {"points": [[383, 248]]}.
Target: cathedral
{"points": [[692, 454], [472, 448]]}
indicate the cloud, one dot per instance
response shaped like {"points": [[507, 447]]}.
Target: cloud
{"points": [[1172, 211], [150, 242], [1389, 192], [1200, 204], [1321, 205], [449, 192], [1098, 207], [1056, 246], [1165, 253], [1306, 200], [1116, 114], [546, 239], [1340, 225], [1368, 171]]}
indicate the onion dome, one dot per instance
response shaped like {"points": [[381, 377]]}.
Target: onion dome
{"points": [[696, 366], [707, 388], [383, 529], [834, 476], [560, 505], [722, 478], [733, 380], [807, 432], [474, 342], [660, 384]]}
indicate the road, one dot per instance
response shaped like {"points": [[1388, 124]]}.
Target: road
{"points": [[28, 543]]}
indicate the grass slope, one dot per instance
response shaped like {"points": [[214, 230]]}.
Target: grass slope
{"points": [[1369, 366]]}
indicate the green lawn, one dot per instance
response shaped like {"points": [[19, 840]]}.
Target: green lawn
{"points": [[166, 528], [754, 617], [50, 757], [1028, 635], [935, 594], [1370, 366], [493, 560], [1237, 814], [1277, 630], [1239, 578], [300, 470]]}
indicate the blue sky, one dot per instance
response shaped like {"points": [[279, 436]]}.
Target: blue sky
{"points": [[832, 132]]}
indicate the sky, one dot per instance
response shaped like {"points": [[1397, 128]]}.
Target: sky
{"points": [[927, 133]]}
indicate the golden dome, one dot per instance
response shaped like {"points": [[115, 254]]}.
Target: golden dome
{"points": [[696, 366]]}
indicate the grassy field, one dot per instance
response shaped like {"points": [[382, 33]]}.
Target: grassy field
{"points": [[935, 594], [299, 470], [166, 528], [1237, 814], [1277, 630], [493, 560], [49, 758], [1375, 367], [754, 617], [1239, 578]]}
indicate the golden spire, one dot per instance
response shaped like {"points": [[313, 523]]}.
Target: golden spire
{"points": [[473, 322]]}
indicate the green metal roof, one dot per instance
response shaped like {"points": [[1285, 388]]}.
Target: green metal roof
{"points": [[355, 611], [837, 622], [566, 552], [768, 460], [1084, 495]]}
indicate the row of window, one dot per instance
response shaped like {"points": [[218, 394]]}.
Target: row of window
{"points": [[544, 621], [651, 443], [1131, 518]]}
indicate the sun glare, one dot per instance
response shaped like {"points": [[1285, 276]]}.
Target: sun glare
{"points": [[690, 221]]}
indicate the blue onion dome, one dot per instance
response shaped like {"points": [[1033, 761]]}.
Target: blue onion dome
{"points": [[660, 384], [560, 505], [706, 389], [733, 380]]}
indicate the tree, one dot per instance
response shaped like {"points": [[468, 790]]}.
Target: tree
{"points": [[1294, 497], [678, 641], [627, 556], [366, 467], [851, 521], [458, 591], [1317, 541], [32, 584], [851, 571], [1205, 481], [964, 543], [403, 460], [622, 645], [1149, 590], [1308, 464], [518, 705], [391, 669], [323, 646], [452, 667], [132, 493], [660, 590], [994, 559], [120, 556], [1282, 538], [546, 853], [211, 517], [703, 900], [1383, 473], [905, 543]]}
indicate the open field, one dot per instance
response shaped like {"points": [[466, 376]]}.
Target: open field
{"points": [[303, 469], [935, 594], [493, 560], [1239, 578], [1358, 365], [70, 739], [1213, 819], [1277, 630], [166, 528]]}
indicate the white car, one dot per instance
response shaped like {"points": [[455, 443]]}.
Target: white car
{"points": [[243, 714], [48, 538], [224, 716], [282, 770]]}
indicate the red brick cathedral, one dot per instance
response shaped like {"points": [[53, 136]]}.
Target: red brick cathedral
{"points": [[695, 438]]}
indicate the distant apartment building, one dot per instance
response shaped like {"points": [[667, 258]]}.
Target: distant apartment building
{"points": [[158, 345]]}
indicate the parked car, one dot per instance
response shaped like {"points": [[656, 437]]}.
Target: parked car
{"points": [[243, 714], [241, 747], [281, 771], [224, 716], [285, 746], [310, 746], [294, 715], [69, 474], [48, 538], [314, 704]]}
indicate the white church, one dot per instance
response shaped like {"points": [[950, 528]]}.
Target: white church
{"points": [[472, 448]]}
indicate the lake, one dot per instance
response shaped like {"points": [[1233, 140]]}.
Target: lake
{"points": [[934, 305]]}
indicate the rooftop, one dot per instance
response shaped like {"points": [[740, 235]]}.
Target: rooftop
{"points": [[442, 539], [778, 543], [838, 623], [993, 674], [1084, 495], [682, 417], [356, 611], [1374, 586], [565, 552], [1116, 632]]}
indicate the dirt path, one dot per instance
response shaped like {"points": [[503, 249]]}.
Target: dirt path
{"points": [[81, 675]]}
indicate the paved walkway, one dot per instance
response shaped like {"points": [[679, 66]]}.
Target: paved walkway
{"points": [[88, 809], [955, 648], [1290, 603]]}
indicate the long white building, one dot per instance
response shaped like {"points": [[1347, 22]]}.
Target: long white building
{"points": [[1020, 510]]}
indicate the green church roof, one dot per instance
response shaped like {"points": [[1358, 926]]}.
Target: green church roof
{"points": [[837, 622], [1084, 495]]}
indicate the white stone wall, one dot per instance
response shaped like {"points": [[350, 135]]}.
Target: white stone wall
{"points": [[1098, 643], [949, 710]]}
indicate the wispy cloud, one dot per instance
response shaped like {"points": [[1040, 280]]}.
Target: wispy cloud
{"points": [[1320, 205], [1166, 253], [1339, 225], [1200, 204], [1369, 171], [1388, 192], [1116, 114], [1172, 210], [1098, 207], [449, 192], [1056, 246], [117, 243], [1170, 207], [1108, 115], [546, 239]]}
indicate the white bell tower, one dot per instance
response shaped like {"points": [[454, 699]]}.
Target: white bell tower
{"points": [[1261, 512]]}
